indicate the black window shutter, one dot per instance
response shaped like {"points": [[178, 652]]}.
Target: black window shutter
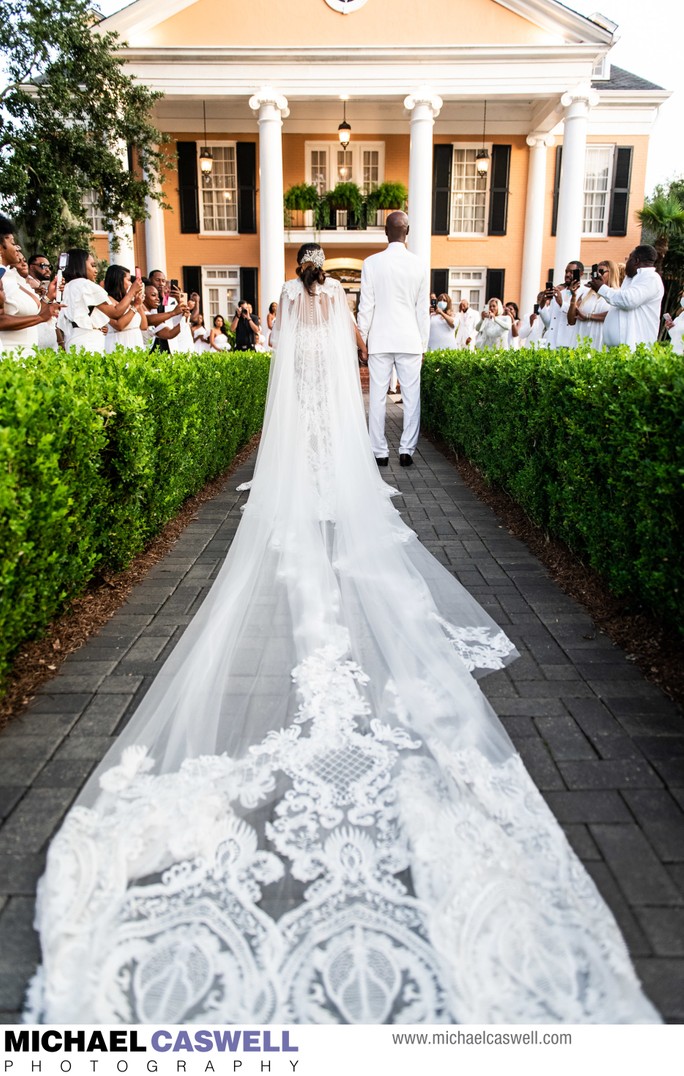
{"points": [[187, 187], [245, 160], [441, 187], [439, 281], [498, 195], [619, 196], [556, 188], [249, 290], [192, 279], [495, 284]]}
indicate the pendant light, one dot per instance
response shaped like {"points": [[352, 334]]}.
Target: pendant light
{"points": [[206, 158], [482, 155], [344, 130]]}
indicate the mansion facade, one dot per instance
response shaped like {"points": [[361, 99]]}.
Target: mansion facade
{"points": [[520, 145]]}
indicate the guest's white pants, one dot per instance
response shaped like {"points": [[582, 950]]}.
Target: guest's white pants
{"points": [[380, 371]]}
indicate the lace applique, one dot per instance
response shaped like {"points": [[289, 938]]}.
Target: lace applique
{"points": [[478, 648], [412, 884]]}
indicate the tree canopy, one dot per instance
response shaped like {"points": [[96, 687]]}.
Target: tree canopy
{"points": [[663, 225], [69, 115]]}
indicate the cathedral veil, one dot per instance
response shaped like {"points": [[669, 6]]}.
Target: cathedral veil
{"points": [[314, 815]]}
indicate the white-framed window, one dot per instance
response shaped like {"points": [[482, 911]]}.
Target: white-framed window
{"points": [[468, 282], [220, 291], [218, 190], [598, 174], [93, 212], [468, 193], [327, 164]]}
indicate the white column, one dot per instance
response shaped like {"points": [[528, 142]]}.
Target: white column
{"points": [[155, 237], [272, 109], [424, 107], [121, 242], [534, 221], [571, 193]]}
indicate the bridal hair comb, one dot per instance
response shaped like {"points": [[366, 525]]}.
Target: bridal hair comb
{"points": [[314, 255]]}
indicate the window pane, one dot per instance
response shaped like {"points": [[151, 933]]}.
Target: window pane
{"points": [[319, 169], [597, 172], [468, 194], [93, 213], [219, 192], [371, 169], [344, 165]]}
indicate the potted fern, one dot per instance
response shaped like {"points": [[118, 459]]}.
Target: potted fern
{"points": [[384, 199], [346, 202], [303, 200]]}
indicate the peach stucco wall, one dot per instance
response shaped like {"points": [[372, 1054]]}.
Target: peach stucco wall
{"points": [[280, 22]]}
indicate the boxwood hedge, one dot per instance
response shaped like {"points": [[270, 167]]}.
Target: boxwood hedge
{"points": [[97, 453], [591, 444]]}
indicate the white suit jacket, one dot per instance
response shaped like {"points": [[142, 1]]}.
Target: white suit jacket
{"points": [[394, 309]]}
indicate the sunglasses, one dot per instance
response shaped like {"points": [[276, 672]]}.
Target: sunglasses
{"points": [[42, 265]]}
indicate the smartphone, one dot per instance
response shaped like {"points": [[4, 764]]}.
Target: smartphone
{"points": [[62, 263], [577, 274], [549, 285], [535, 308], [173, 283], [183, 298]]}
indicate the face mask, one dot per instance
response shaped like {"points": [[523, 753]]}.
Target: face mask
{"points": [[441, 306]]}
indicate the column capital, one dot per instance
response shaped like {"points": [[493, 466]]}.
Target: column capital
{"points": [[268, 96], [424, 96], [540, 138], [583, 93]]}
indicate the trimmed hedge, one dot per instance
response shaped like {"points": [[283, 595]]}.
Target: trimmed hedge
{"points": [[97, 453], [591, 444]]}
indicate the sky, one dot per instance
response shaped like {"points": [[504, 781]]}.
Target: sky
{"points": [[649, 45]]}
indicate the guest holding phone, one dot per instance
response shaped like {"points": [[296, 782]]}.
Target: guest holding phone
{"points": [[559, 332], [126, 330], [87, 308]]}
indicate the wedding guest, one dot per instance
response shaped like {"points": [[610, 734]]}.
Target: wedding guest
{"points": [[493, 327], [442, 332], [532, 330], [466, 320], [39, 273], [200, 334], [514, 335], [23, 311], [675, 328], [127, 330], [634, 314], [218, 337], [591, 309], [160, 326], [168, 298], [270, 321], [559, 332], [87, 308]]}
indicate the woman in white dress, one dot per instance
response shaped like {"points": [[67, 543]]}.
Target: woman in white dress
{"points": [[200, 334], [514, 332], [442, 324], [218, 338], [314, 815], [23, 309], [494, 327], [589, 312], [87, 308], [675, 328], [126, 331]]}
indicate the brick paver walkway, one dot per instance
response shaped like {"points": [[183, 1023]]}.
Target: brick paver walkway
{"points": [[605, 747]]}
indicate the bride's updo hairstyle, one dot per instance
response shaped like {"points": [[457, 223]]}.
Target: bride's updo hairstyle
{"points": [[310, 260]]}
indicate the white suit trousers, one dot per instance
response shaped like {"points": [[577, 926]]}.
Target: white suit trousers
{"points": [[380, 370]]}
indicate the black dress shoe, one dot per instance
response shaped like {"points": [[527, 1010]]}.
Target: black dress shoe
{"points": [[405, 460], [382, 461]]}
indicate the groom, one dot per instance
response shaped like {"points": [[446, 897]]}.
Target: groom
{"points": [[394, 320]]}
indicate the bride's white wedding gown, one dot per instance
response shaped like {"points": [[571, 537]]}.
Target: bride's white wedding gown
{"points": [[314, 815]]}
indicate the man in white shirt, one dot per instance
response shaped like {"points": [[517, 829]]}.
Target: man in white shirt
{"points": [[634, 315], [466, 320], [555, 316], [394, 320]]}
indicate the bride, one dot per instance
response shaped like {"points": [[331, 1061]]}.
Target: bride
{"points": [[315, 816]]}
